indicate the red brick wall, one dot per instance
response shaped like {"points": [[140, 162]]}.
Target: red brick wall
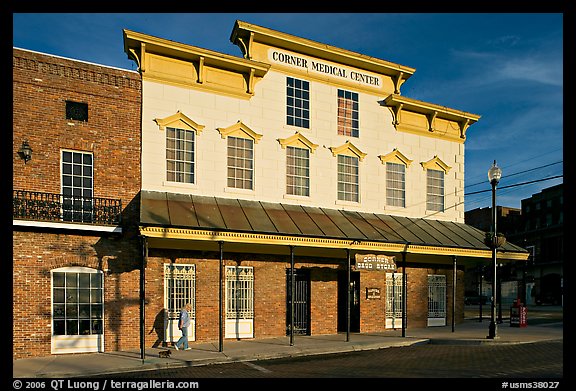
{"points": [[41, 85]]}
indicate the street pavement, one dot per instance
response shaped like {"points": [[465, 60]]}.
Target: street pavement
{"points": [[472, 332]]}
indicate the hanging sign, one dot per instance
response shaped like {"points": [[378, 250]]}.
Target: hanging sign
{"points": [[375, 262]]}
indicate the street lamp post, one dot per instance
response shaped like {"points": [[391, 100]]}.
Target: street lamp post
{"points": [[494, 175]]}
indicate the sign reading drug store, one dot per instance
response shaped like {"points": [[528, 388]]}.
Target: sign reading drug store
{"points": [[375, 262]]}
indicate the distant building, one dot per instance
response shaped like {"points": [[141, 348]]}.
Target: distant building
{"points": [[538, 227]]}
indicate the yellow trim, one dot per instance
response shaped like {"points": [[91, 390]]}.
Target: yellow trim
{"points": [[179, 121], [243, 32], [298, 140], [395, 155], [348, 149], [434, 164], [428, 119], [174, 63], [240, 130], [303, 241]]}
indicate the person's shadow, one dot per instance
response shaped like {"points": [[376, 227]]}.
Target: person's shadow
{"points": [[158, 327]]}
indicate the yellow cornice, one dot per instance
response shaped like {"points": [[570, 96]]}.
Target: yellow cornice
{"points": [[184, 65], [348, 149], [179, 121], [304, 241], [298, 140], [240, 130], [397, 156], [245, 34], [434, 164], [434, 116]]}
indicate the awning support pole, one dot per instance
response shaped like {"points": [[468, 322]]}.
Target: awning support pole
{"points": [[349, 288], [454, 293], [220, 304], [292, 288], [143, 298], [404, 292]]}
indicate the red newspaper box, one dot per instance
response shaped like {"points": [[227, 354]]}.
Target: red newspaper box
{"points": [[518, 315]]}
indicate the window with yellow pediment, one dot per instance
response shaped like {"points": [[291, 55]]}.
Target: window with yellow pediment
{"points": [[298, 149], [240, 159], [396, 163], [436, 170], [181, 134]]}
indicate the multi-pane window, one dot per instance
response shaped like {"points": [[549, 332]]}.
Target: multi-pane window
{"points": [[348, 178], [239, 292], [179, 155], [348, 113], [395, 184], [297, 171], [77, 186], [77, 303], [297, 102], [435, 190], [240, 162]]}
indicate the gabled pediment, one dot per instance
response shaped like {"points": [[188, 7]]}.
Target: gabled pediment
{"points": [[436, 164], [395, 157], [348, 149], [239, 129], [298, 140], [179, 121]]}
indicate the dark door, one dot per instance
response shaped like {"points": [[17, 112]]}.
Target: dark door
{"points": [[354, 301], [301, 301]]}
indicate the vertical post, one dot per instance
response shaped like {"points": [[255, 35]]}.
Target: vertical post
{"points": [[143, 299], [500, 294], [220, 303], [404, 292], [492, 328], [480, 293], [292, 288], [348, 297], [454, 277]]}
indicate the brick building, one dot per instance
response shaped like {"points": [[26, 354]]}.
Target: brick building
{"points": [[289, 187], [76, 252], [290, 190]]}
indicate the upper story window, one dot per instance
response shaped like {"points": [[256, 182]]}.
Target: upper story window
{"points": [[181, 132], [297, 171], [77, 186], [396, 164], [180, 155], [436, 170], [435, 190], [240, 163], [241, 140], [348, 124], [298, 150], [395, 184], [76, 111], [297, 102], [348, 178]]}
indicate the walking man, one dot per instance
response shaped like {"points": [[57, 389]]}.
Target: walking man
{"points": [[183, 324]]}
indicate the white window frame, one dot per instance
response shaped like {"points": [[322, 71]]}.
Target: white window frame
{"points": [[181, 154], [436, 300], [435, 188], [78, 343], [395, 184], [348, 180], [297, 171], [239, 305], [246, 168], [179, 290], [80, 203]]}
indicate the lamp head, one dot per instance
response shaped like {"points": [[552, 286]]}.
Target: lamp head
{"points": [[494, 174], [25, 151]]}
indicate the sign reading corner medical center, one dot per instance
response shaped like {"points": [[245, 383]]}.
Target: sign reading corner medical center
{"points": [[313, 65]]}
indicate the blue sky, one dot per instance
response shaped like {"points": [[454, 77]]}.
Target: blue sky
{"points": [[507, 68]]}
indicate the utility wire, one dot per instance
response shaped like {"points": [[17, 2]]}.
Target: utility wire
{"points": [[518, 173], [517, 184]]}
